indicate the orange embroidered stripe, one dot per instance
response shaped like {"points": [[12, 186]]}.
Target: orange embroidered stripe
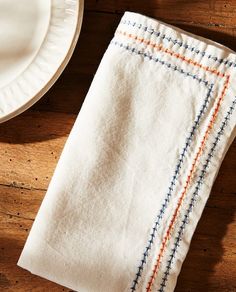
{"points": [[173, 219], [159, 47]]}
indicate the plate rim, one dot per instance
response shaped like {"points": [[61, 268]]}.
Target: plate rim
{"points": [[58, 71]]}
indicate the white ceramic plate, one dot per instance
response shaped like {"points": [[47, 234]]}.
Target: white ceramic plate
{"points": [[37, 39]]}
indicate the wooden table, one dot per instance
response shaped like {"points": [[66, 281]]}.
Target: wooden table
{"points": [[31, 143]]}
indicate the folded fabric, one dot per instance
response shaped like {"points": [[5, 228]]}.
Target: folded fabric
{"points": [[139, 163]]}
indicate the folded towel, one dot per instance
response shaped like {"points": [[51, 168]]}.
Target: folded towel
{"points": [[139, 163]]}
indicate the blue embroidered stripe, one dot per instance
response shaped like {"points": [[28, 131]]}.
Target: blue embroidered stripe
{"points": [[170, 191], [158, 60], [200, 181], [180, 161], [151, 31]]}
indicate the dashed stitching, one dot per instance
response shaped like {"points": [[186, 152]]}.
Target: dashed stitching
{"points": [[180, 161], [188, 181], [167, 236], [180, 43], [158, 60], [199, 183], [189, 177], [169, 193], [160, 47]]}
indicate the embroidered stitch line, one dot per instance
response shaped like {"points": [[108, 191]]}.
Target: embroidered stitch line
{"points": [[169, 193], [158, 60], [189, 177], [180, 161], [159, 47], [174, 218], [175, 41], [199, 183], [170, 190]]}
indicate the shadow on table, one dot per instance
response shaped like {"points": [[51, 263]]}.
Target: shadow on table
{"points": [[33, 126]]}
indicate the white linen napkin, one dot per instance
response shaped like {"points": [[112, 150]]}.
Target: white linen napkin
{"points": [[139, 164]]}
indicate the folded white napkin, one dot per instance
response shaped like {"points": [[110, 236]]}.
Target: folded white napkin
{"points": [[139, 164]]}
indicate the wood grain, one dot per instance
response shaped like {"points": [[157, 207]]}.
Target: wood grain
{"points": [[30, 146]]}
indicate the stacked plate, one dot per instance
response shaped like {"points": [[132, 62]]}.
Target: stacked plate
{"points": [[37, 40]]}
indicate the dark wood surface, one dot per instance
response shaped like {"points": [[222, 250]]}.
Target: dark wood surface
{"points": [[31, 143]]}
